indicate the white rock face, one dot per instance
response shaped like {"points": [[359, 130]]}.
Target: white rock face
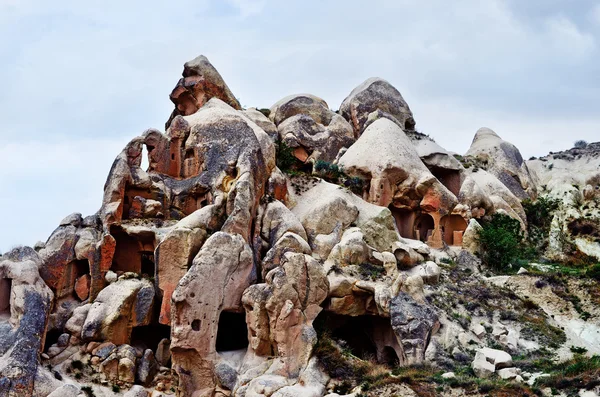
{"points": [[504, 161], [509, 373], [499, 358], [396, 168], [481, 366]]}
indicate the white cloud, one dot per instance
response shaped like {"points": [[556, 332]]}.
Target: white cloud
{"points": [[566, 37], [595, 14], [248, 8], [79, 80]]}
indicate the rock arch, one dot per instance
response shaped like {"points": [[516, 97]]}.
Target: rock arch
{"points": [[423, 227]]}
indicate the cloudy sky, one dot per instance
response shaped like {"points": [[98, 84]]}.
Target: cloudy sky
{"points": [[78, 79]]}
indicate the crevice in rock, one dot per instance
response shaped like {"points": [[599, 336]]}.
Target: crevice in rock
{"points": [[51, 338], [150, 335], [5, 290]]}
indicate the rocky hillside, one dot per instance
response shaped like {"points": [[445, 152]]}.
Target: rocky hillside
{"points": [[298, 251]]}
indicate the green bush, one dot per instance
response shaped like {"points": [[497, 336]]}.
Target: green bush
{"points": [[539, 219], [501, 240], [285, 157], [594, 272], [335, 174]]}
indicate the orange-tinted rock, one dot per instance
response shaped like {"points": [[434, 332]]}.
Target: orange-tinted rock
{"points": [[82, 287], [200, 83]]}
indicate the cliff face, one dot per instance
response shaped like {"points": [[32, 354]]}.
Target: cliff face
{"points": [[287, 252]]}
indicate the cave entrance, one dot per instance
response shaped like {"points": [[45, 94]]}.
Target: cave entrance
{"points": [[367, 337], [51, 338], [405, 220], [149, 336], [424, 226], [133, 253], [448, 178], [232, 333], [5, 289], [148, 267], [80, 268], [453, 227]]}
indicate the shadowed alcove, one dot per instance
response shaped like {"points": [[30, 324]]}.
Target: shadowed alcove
{"points": [[232, 333], [366, 337], [453, 227], [5, 288]]}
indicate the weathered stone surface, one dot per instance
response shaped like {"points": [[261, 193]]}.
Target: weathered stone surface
{"points": [[22, 337], [319, 141], [200, 83], [413, 323], [82, 287], [225, 263], [372, 95], [310, 105], [66, 390], [120, 306], [163, 352], [280, 312], [504, 161], [481, 366], [147, 368], [75, 323], [136, 391]]}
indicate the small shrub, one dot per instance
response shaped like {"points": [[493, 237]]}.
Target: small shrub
{"points": [[265, 111], [501, 241], [369, 271], [88, 391], [594, 272], [580, 144], [77, 364], [116, 388], [285, 157], [578, 350]]}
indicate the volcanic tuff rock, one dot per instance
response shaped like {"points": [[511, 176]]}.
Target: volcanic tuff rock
{"points": [[213, 272]]}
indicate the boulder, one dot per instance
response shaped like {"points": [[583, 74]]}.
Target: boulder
{"points": [[301, 104], [147, 368], [481, 366], [321, 143], [372, 95], [136, 391], [499, 358], [509, 373], [120, 306], [200, 82], [163, 352], [503, 160], [75, 323], [413, 323], [82, 287], [471, 237]]}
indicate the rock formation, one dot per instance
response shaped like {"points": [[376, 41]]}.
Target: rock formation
{"points": [[215, 272]]}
